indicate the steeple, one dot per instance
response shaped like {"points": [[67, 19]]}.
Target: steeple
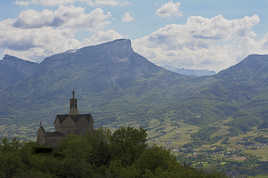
{"points": [[73, 104]]}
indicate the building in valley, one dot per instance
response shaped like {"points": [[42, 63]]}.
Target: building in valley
{"points": [[66, 124]]}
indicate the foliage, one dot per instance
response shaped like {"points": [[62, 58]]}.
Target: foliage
{"points": [[121, 154]]}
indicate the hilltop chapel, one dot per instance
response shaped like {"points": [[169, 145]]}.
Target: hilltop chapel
{"points": [[72, 123]]}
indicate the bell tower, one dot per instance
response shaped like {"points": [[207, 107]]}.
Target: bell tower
{"points": [[73, 104]]}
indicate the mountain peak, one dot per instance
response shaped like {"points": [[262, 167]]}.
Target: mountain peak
{"points": [[13, 59], [118, 45], [255, 59], [120, 42], [254, 65], [120, 48], [9, 57], [257, 55]]}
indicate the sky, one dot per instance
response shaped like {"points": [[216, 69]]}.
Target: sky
{"points": [[191, 34]]}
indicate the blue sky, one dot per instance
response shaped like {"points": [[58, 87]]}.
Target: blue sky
{"points": [[194, 34]]}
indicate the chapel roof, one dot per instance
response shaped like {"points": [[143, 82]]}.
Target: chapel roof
{"points": [[75, 117], [42, 128]]}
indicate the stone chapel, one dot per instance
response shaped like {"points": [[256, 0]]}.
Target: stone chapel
{"points": [[65, 124]]}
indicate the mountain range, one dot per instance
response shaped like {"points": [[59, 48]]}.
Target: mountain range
{"points": [[13, 69], [216, 119], [119, 87], [189, 72]]}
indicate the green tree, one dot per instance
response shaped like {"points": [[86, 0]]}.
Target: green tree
{"points": [[128, 144]]}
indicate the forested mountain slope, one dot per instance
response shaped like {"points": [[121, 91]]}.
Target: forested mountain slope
{"points": [[120, 86]]}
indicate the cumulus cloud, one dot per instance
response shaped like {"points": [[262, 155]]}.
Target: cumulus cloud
{"points": [[35, 19], [72, 17], [36, 43], [43, 2], [22, 3], [169, 9], [127, 17], [203, 43], [101, 2], [68, 2], [38, 34]]}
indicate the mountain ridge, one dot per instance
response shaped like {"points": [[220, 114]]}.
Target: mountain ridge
{"points": [[105, 71], [190, 72], [116, 70], [14, 69]]}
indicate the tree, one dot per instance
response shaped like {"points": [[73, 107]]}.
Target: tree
{"points": [[128, 144]]}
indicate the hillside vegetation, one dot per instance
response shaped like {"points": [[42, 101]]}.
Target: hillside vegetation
{"points": [[102, 154]]}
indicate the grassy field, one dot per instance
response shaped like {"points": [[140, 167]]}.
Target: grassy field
{"points": [[170, 134], [221, 150]]}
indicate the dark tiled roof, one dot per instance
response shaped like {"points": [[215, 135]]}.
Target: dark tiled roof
{"points": [[53, 134], [74, 117], [42, 129]]}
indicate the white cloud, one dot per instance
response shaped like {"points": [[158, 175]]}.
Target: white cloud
{"points": [[44, 2], [101, 2], [36, 43], [169, 9], [22, 3], [35, 35], [203, 43], [68, 2], [35, 19], [127, 17], [68, 17]]}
